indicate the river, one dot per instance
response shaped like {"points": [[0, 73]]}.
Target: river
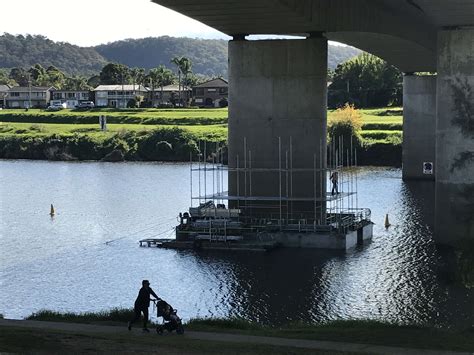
{"points": [[87, 257]]}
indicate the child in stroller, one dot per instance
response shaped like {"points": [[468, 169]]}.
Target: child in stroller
{"points": [[171, 321]]}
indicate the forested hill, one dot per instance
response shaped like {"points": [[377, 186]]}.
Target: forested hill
{"points": [[209, 57], [25, 51]]}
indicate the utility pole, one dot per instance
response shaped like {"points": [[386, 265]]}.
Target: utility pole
{"points": [[123, 92], [29, 90]]}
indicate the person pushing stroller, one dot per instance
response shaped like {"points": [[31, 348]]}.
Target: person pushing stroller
{"points": [[141, 305]]}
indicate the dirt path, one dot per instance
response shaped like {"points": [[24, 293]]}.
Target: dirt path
{"points": [[231, 338]]}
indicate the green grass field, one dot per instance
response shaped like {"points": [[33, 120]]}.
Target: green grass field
{"points": [[132, 116], [76, 134], [201, 122], [200, 132]]}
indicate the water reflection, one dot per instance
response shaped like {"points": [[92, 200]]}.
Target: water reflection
{"points": [[87, 258]]}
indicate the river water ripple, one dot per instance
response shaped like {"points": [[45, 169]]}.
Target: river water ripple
{"points": [[87, 258]]}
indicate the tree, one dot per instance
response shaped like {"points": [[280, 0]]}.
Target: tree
{"points": [[115, 74], [159, 77], [93, 81], [5, 79], [20, 76], [76, 83], [55, 77], [177, 62], [366, 81], [138, 76], [184, 66]]}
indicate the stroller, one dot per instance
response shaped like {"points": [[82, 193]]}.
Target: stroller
{"points": [[171, 321]]}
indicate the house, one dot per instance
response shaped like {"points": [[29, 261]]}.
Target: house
{"points": [[169, 94], [71, 98], [117, 96], [3, 95], [212, 93], [28, 96]]}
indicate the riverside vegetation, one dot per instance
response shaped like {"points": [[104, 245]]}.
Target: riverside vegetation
{"points": [[172, 134]]}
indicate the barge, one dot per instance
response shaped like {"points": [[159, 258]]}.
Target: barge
{"points": [[303, 214]]}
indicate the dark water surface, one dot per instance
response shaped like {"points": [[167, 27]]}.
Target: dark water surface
{"points": [[64, 263]]}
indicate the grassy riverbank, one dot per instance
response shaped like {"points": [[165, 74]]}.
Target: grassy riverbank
{"points": [[357, 331], [169, 135]]}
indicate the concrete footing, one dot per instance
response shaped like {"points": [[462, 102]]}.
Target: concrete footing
{"points": [[345, 241], [419, 127]]}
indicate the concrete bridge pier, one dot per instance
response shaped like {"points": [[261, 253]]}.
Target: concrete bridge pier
{"points": [[277, 119], [454, 215], [419, 127]]}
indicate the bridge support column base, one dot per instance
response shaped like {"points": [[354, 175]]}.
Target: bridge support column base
{"points": [[277, 120], [454, 206], [419, 127]]}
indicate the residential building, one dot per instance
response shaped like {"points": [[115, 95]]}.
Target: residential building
{"points": [[212, 93], [28, 97], [117, 96], [71, 98], [3, 95], [169, 94]]}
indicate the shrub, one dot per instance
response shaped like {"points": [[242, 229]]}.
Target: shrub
{"points": [[345, 123]]}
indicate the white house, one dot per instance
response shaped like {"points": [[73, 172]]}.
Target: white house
{"points": [[117, 95], [71, 98], [24, 96]]}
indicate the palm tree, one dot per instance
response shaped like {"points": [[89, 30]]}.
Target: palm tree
{"points": [[177, 61], [186, 66], [160, 76]]}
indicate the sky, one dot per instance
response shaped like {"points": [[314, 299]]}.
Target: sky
{"points": [[92, 22]]}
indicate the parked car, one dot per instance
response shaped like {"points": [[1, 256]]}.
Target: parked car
{"points": [[86, 104], [55, 107]]}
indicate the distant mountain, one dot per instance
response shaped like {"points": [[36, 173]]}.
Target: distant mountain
{"points": [[209, 57], [25, 51]]}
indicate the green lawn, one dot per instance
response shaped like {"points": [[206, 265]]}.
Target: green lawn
{"points": [[200, 132], [384, 115], [32, 134], [134, 116]]}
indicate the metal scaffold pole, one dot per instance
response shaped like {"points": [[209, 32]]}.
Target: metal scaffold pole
{"points": [[205, 171], [315, 184], [287, 187], [199, 172], [191, 175], [279, 173], [321, 182], [245, 168]]}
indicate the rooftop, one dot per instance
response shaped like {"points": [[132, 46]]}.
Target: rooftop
{"points": [[32, 88], [120, 88], [214, 83]]}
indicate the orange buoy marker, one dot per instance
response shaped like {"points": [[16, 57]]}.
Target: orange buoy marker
{"points": [[387, 223], [51, 213]]}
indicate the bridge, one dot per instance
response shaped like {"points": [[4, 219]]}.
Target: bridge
{"points": [[278, 89]]}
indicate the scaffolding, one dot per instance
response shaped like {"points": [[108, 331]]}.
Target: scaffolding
{"points": [[324, 210]]}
